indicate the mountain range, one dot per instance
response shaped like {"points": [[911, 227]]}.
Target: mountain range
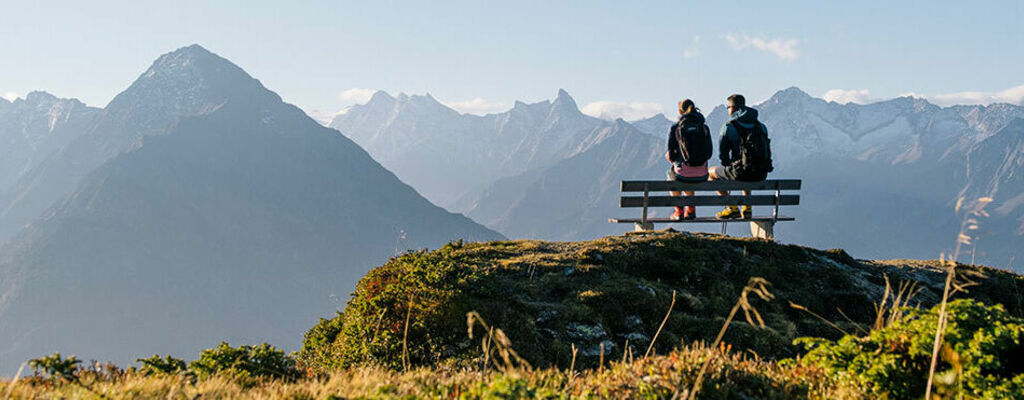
{"points": [[196, 207], [880, 180]]}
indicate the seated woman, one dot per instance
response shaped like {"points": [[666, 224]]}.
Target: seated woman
{"points": [[689, 148]]}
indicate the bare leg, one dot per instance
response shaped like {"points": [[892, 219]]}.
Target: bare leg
{"points": [[691, 210], [729, 212], [679, 210]]}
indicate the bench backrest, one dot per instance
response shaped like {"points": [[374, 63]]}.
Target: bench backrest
{"points": [[774, 199], [666, 186]]}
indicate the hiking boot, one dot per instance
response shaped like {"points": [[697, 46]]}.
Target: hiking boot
{"points": [[690, 212], [747, 212], [678, 215], [730, 212]]}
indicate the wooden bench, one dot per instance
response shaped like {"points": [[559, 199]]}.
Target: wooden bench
{"points": [[760, 226]]}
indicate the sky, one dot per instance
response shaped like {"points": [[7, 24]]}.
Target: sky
{"points": [[627, 59]]}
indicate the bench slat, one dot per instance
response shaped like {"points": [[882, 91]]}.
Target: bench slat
{"points": [[669, 201], [665, 186], [697, 220]]}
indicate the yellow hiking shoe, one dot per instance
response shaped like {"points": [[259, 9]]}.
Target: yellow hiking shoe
{"points": [[747, 212], [730, 212]]}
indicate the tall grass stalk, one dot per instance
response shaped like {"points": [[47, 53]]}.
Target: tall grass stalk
{"points": [[970, 224], [405, 338], [572, 364], [496, 341], [814, 314], [15, 380], [887, 313], [663, 321], [757, 286]]}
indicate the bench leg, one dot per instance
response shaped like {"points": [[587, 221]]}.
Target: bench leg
{"points": [[640, 227], [762, 229]]}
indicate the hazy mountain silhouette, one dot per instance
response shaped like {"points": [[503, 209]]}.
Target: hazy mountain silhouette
{"points": [[35, 128], [215, 211], [451, 157]]}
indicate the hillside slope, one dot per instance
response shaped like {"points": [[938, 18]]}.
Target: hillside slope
{"points": [[550, 296]]}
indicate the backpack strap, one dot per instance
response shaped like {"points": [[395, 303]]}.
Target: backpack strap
{"points": [[679, 140]]}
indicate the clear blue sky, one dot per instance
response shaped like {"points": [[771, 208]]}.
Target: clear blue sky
{"points": [[615, 51]]}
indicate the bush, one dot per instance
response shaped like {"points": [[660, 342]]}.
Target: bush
{"points": [[162, 366], [983, 354], [55, 367], [317, 344], [245, 362]]}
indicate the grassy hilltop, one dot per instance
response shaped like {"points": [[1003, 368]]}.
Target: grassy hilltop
{"points": [[588, 319], [550, 296]]}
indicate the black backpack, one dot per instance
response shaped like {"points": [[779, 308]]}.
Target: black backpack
{"points": [[694, 140], [755, 160]]}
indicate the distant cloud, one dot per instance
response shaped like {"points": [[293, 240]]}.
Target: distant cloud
{"points": [[628, 111], [693, 50], [784, 48], [356, 95], [861, 96], [476, 106], [10, 96], [1013, 95], [323, 117]]}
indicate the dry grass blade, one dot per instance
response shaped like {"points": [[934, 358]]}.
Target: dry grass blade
{"points": [[880, 308], [974, 210], [496, 341], [17, 375], [759, 287], [893, 304], [405, 338], [805, 309], [572, 363], [852, 322], [663, 321]]}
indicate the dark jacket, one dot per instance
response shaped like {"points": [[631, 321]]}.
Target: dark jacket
{"points": [[729, 142], [674, 154]]}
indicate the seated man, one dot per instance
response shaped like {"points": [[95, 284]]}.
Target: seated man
{"points": [[744, 151]]}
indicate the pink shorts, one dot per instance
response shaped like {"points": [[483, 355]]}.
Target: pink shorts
{"points": [[686, 173]]}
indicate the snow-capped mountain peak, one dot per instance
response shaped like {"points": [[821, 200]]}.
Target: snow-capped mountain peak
{"points": [[188, 81], [790, 94]]}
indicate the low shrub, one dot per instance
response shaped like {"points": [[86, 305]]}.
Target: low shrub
{"points": [[244, 362], [55, 367], [982, 357], [162, 366]]}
